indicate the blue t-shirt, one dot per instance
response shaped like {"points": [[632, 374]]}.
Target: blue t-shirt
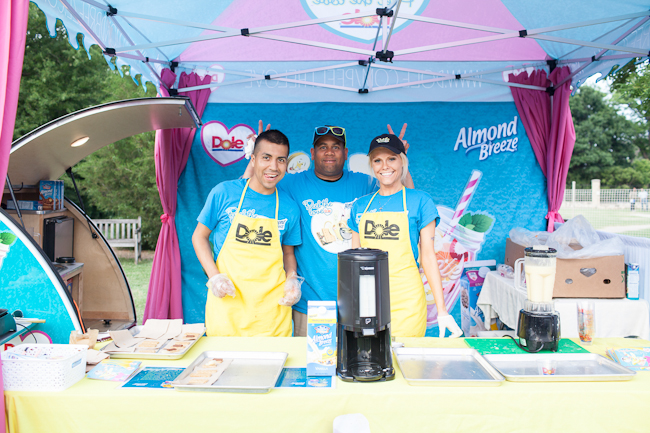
{"points": [[324, 211], [221, 205], [421, 211]]}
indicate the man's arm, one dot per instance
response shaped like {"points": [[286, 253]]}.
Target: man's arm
{"points": [[201, 242], [289, 258]]}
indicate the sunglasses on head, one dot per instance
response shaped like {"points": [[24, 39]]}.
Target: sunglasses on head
{"points": [[336, 130]]}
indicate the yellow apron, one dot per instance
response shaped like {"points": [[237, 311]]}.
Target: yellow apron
{"points": [[251, 256], [389, 231]]}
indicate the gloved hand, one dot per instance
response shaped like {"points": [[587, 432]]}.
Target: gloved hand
{"points": [[220, 285], [250, 146], [448, 322], [291, 290]]}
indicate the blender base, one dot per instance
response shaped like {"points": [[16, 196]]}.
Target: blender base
{"points": [[538, 331]]}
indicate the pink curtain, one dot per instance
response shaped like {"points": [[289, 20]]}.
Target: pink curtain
{"points": [[550, 130], [13, 30], [172, 150]]}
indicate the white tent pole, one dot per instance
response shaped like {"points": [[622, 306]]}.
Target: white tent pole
{"points": [[455, 24], [413, 83], [314, 44], [284, 74], [589, 23], [96, 4], [129, 40], [83, 24], [307, 71], [288, 80], [144, 37], [328, 86], [143, 58], [211, 85], [457, 43], [506, 83], [600, 55], [259, 29], [535, 31], [643, 52], [392, 25], [602, 58], [251, 34], [464, 75]]}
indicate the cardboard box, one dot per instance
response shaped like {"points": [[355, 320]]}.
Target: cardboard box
{"points": [[25, 205], [608, 281], [47, 194]]}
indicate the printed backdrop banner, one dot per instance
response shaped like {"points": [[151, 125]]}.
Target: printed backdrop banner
{"points": [[474, 159]]}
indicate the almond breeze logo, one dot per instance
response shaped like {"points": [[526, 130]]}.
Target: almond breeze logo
{"points": [[489, 141]]}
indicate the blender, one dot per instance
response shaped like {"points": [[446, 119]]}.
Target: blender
{"points": [[539, 324]]}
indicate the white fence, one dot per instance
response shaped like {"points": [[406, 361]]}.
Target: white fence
{"points": [[609, 210]]}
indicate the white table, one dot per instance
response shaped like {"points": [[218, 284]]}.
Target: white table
{"points": [[614, 317]]}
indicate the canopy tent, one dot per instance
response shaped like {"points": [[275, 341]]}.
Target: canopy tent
{"points": [[360, 52], [319, 46]]}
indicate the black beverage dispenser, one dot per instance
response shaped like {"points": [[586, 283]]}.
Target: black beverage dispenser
{"points": [[363, 345]]}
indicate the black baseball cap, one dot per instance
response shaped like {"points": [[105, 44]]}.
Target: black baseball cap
{"points": [[334, 131], [388, 141]]}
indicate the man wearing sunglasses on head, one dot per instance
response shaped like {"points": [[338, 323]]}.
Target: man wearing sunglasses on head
{"points": [[324, 194]]}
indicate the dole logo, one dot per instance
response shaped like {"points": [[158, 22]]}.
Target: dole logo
{"points": [[256, 237], [225, 145], [381, 231]]}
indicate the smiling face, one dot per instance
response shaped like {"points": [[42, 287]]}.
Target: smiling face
{"points": [[329, 156], [387, 167], [269, 166]]}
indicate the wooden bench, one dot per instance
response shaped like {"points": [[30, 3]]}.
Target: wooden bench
{"points": [[122, 233]]}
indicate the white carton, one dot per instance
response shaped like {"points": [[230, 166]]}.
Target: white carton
{"points": [[632, 280], [321, 338]]}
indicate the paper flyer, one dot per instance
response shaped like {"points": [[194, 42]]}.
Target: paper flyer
{"points": [[154, 377], [296, 377]]}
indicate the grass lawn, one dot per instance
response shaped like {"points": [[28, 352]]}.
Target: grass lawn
{"points": [[621, 221], [138, 277]]}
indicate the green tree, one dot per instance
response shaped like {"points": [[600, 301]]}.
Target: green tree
{"points": [[606, 142], [631, 86], [118, 180]]}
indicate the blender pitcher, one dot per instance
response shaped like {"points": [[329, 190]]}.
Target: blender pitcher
{"points": [[539, 268]]}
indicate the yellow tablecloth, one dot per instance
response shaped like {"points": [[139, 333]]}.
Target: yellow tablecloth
{"points": [[394, 406]]}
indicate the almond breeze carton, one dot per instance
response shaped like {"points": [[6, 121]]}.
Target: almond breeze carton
{"points": [[321, 338], [47, 194]]}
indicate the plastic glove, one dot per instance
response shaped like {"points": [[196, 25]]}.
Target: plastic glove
{"points": [[448, 322], [250, 146], [291, 290], [220, 285]]}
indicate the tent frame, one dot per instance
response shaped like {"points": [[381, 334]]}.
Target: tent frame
{"points": [[383, 55]]}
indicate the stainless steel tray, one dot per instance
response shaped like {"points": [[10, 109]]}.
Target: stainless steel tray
{"points": [[249, 372], [559, 367], [158, 355], [445, 367]]}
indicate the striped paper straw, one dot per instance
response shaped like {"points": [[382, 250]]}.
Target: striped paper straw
{"points": [[463, 203]]}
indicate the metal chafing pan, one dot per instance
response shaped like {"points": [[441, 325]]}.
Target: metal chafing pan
{"points": [[160, 354], [559, 367], [249, 372], [445, 367]]}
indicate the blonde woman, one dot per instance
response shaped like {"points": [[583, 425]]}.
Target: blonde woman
{"points": [[396, 219]]}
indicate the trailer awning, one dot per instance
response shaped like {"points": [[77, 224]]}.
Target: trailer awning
{"points": [[47, 152]]}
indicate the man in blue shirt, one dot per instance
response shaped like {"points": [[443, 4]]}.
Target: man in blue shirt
{"points": [[324, 196], [253, 282]]}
